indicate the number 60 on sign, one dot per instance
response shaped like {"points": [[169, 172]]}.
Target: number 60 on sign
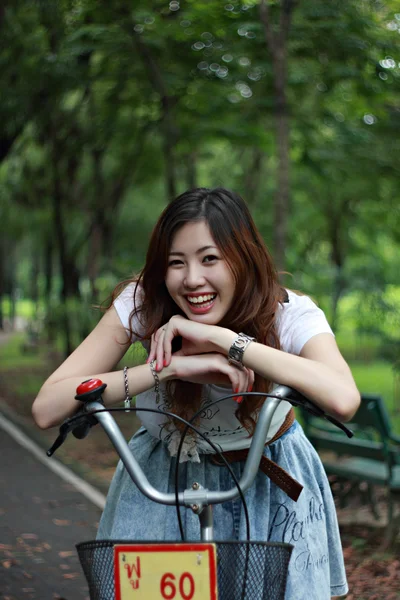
{"points": [[165, 572]]}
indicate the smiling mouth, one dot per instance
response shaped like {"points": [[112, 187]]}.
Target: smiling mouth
{"points": [[201, 301]]}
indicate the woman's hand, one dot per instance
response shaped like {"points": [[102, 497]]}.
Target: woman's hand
{"points": [[213, 369], [195, 340]]}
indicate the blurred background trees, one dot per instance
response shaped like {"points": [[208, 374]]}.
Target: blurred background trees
{"points": [[108, 110]]}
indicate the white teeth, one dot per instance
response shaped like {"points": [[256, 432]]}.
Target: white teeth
{"points": [[201, 299]]}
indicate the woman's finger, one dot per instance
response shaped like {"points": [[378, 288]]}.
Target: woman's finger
{"points": [[160, 349], [246, 377], [248, 383], [154, 347], [236, 378], [251, 380], [169, 335], [152, 353]]}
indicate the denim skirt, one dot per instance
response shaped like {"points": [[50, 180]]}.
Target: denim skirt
{"points": [[316, 570]]}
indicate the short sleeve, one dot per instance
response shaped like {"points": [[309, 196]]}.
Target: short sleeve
{"points": [[298, 321], [124, 305]]}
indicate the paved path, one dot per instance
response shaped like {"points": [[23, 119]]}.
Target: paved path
{"points": [[41, 519]]}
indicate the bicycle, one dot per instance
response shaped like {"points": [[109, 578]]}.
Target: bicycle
{"points": [[209, 569]]}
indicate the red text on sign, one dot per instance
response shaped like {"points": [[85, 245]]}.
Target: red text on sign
{"points": [[186, 586]]}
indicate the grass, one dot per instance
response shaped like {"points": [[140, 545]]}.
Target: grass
{"points": [[16, 354], [375, 378], [379, 378]]}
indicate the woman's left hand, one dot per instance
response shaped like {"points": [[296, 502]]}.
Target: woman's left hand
{"points": [[195, 340]]}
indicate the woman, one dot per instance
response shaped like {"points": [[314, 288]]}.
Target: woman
{"points": [[211, 314]]}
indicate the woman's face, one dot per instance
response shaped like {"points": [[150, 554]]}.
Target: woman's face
{"points": [[198, 278]]}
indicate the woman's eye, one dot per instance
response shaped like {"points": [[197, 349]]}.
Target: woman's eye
{"points": [[174, 263], [210, 258]]}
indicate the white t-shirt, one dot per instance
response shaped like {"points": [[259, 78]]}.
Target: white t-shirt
{"points": [[297, 321]]}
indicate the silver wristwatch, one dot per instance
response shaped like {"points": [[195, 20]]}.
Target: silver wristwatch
{"points": [[236, 351]]}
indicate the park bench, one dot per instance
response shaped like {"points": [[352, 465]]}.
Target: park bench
{"points": [[370, 458]]}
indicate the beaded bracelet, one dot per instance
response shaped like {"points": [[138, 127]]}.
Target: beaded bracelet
{"points": [[128, 398], [156, 380]]}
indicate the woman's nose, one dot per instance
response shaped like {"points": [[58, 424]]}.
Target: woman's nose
{"points": [[194, 276]]}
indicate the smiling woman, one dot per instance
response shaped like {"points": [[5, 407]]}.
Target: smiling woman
{"points": [[210, 312], [200, 281]]}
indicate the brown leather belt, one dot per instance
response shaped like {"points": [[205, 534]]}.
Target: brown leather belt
{"points": [[277, 475]]}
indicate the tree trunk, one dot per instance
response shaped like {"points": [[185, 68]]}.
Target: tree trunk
{"points": [[169, 148], [48, 270], [12, 293], [276, 40], [169, 128], [335, 223], [51, 325], [253, 175], [191, 171], [95, 247], [68, 274], [34, 283], [339, 286], [281, 200]]}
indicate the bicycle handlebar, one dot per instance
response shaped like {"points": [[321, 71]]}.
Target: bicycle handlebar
{"points": [[93, 412]]}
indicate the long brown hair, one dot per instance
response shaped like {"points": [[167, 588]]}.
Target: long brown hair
{"points": [[257, 290]]}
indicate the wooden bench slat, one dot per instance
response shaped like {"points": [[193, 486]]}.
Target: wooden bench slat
{"points": [[342, 445], [365, 470]]}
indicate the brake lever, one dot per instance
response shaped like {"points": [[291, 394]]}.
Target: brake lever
{"points": [[297, 399], [88, 391], [60, 440], [341, 426], [65, 428]]}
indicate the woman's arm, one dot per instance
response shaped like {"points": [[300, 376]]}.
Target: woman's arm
{"points": [[96, 356], [320, 372]]}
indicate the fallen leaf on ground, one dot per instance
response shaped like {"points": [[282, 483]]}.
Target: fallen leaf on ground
{"points": [[65, 553], [9, 563], [61, 522]]}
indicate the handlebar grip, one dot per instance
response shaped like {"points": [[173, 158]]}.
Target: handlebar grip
{"points": [[81, 431]]}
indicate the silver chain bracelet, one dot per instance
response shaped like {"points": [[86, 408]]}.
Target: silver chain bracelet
{"points": [[156, 380], [128, 398]]}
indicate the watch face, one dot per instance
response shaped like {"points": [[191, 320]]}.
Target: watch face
{"points": [[240, 342]]}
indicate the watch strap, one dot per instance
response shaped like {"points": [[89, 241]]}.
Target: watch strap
{"points": [[237, 349]]}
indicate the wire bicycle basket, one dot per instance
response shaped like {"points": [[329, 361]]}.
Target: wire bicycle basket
{"points": [[245, 570]]}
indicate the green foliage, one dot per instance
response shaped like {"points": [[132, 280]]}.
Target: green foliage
{"points": [[109, 106]]}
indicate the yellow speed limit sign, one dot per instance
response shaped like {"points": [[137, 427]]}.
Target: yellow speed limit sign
{"points": [[165, 572]]}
